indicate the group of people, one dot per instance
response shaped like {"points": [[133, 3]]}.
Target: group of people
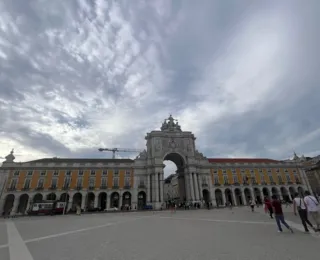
{"points": [[306, 206]]}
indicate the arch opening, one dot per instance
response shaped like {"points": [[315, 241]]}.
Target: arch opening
{"points": [[174, 185]]}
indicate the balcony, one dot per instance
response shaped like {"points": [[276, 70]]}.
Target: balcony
{"points": [[142, 186], [227, 184], [115, 187], [25, 188], [245, 183], [281, 182], [66, 187], [236, 184], [290, 182], [273, 183], [127, 187], [12, 189], [298, 182], [53, 187], [39, 188], [79, 187], [217, 184], [91, 188]]}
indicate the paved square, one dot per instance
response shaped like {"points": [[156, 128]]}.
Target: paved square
{"points": [[202, 234]]}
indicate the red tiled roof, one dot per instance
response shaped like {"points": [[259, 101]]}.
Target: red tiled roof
{"points": [[241, 160]]}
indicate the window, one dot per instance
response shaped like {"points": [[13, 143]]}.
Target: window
{"points": [[43, 173], [245, 179], [91, 183], [115, 181], [251, 172], [141, 180], [296, 177], [269, 171], [13, 184], [55, 173], [127, 181], [271, 178], [116, 172], [68, 173], [80, 173], [79, 183], [128, 173], [67, 182], [253, 180], [40, 183], [54, 182], [216, 180], [288, 178], [105, 172], [27, 184], [225, 178], [235, 179], [29, 173], [204, 180], [104, 182], [215, 171], [93, 173], [242, 171], [279, 178], [277, 170], [16, 173], [286, 170], [224, 171]]}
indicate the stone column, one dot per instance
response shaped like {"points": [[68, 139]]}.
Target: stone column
{"points": [[196, 185], [148, 189], [190, 177], [161, 187], [156, 187], [199, 182], [212, 195]]}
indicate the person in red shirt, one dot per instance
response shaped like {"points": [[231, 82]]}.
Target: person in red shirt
{"points": [[276, 204]]}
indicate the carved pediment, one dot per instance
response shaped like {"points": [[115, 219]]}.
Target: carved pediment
{"points": [[142, 156]]}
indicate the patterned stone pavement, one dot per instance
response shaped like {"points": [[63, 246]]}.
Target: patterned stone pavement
{"points": [[202, 234]]}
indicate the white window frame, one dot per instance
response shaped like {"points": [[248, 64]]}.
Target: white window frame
{"points": [[104, 179], [271, 178], [16, 173], [39, 181], [56, 173], [216, 180], [25, 181], [80, 172], [43, 173], [93, 173], [225, 179], [105, 172], [13, 183], [80, 181], [68, 173], [115, 181], [28, 173], [235, 179], [127, 181], [92, 182], [288, 178], [56, 184]]}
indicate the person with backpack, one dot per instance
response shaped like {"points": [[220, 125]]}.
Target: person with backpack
{"points": [[312, 207], [276, 204], [300, 206]]}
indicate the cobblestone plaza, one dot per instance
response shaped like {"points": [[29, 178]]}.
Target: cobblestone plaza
{"points": [[192, 234]]}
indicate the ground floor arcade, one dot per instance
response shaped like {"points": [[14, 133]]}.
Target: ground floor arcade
{"points": [[20, 202]]}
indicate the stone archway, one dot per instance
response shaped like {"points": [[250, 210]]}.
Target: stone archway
{"points": [[275, 192], [126, 200], [228, 195], [257, 195], [37, 198], [285, 194], [142, 200], [292, 192], [180, 177], [23, 203], [76, 201], [247, 195], [266, 192], [51, 196], [90, 201], [114, 200], [102, 201], [206, 196], [219, 197], [8, 204], [238, 197]]}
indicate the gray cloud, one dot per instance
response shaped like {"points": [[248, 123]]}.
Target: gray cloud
{"points": [[78, 75]]}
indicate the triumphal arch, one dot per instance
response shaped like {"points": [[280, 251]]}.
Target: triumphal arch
{"points": [[193, 169]]}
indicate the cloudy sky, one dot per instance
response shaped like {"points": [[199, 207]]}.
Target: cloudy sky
{"points": [[78, 75]]}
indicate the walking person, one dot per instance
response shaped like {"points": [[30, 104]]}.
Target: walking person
{"points": [[313, 208], [251, 202], [300, 206], [268, 207], [276, 204]]}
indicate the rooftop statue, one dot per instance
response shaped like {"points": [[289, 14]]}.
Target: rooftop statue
{"points": [[171, 124]]}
